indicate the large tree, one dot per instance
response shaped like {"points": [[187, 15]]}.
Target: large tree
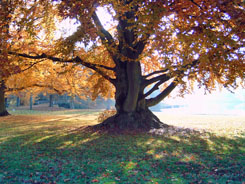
{"points": [[6, 66], [152, 45], [20, 23]]}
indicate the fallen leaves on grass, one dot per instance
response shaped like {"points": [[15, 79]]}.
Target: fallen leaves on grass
{"points": [[59, 151]]}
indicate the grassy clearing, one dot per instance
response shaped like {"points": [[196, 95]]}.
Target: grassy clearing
{"points": [[55, 148]]}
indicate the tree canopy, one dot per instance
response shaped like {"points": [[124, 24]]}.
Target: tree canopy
{"points": [[147, 45]]}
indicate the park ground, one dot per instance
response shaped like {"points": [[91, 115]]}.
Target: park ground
{"points": [[56, 147]]}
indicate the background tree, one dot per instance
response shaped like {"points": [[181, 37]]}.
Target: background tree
{"points": [[152, 45], [20, 25], [47, 77], [6, 65]]}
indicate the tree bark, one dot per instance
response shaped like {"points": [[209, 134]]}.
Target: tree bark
{"points": [[31, 102], [72, 105], [132, 110], [51, 100], [3, 110], [143, 120], [133, 83], [17, 101]]}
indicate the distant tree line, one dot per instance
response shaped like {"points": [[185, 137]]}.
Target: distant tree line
{"points": [[65, 101]]}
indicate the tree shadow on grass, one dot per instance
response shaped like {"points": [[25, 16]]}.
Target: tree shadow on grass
{"points": [[79, 156]]}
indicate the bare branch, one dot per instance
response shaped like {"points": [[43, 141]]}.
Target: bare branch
{"points": [[162, 78], [165, 77], [153, 101], [156, 72], [196, 4], [36, 85], [50, 87], [190, 65], [104, 34], [30, 66], [154, 88], [106, 37]]}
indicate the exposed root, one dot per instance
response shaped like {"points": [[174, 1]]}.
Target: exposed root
{"points": [[140, 122], [131, 122]]}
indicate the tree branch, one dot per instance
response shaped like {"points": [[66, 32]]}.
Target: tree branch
{"points": [[162, 78], [153, 101], [141, 44], [155, 72], [196, 4], [154, 88], [30, 66], [182, 69], [35, 85], [104, 34], [50, 87], [94, 67], [179, 71], [106, 37], [74, 60]]}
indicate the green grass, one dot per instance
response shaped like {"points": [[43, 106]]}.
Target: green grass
{"points": [[56, 149], [43, 112]]}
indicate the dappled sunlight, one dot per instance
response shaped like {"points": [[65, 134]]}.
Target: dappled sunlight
{"points": [[43, 127], [188, 158], [60, 149], [43, 138], [66, 144]]}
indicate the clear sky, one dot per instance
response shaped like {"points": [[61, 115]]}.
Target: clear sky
{"points": [[218, 102]]}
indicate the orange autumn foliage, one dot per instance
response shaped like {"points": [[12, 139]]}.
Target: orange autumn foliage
{"points": [[147, 47]]}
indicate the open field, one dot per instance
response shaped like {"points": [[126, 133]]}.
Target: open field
{"points": [[54, 147]]}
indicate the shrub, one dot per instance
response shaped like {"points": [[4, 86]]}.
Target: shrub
{"points": [[106, 114]]}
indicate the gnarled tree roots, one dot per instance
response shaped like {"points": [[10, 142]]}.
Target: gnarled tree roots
{"points": [[133, 121]]}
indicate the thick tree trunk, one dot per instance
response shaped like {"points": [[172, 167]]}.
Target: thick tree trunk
{"points": [[133, 82], [132, 111], [3, 111]]}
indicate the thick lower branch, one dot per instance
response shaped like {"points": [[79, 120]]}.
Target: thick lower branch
{"points": [[153, 101], [36, 85], [166, 76], [155, 72], [154, 88], [77, 59], [163, 78]]}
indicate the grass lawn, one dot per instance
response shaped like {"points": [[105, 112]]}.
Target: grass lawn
{"points": [[54, 148]]}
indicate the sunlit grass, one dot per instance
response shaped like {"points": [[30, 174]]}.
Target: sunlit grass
{"points": [[55, 148], [45, 112]]}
